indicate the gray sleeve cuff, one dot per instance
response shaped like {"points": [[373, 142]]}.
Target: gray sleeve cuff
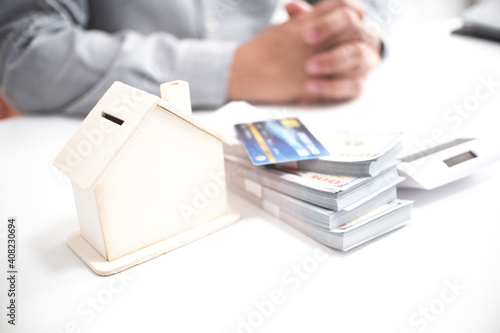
{"points": [[206, 65], [379, 19]]}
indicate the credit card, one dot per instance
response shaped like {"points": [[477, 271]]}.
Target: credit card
{"points": [[278, 141]]}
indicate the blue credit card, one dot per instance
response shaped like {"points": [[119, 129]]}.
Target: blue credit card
{"points": [[278, 141]]}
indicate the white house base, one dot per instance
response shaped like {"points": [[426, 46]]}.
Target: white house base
{"points": [[101, 266]]}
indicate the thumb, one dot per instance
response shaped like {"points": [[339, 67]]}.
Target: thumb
{"points": [[296, 7]]}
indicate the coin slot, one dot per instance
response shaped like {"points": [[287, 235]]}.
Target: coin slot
{"points": [[109, 117]]}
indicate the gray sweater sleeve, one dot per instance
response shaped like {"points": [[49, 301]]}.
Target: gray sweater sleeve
{"points": [[50, 62]]}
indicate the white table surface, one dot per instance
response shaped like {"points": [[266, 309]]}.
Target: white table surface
{"points": [[227, 281]]}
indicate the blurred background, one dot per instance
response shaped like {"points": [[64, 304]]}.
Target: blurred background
{"points": [[418, 11], [413, 12]]}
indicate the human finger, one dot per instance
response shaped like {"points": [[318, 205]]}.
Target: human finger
{"points": [[327, 6], [294, 8], [356, 57], [337, 26], [334, 88]]}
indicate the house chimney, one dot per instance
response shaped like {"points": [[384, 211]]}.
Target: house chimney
{"points": [[176, 93]]}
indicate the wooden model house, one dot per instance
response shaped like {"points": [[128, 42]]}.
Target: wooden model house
{"points": [[147, 177]]}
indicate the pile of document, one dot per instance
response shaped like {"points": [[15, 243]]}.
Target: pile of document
{"points": [[351, 154], [342, 200], [338, 211]]}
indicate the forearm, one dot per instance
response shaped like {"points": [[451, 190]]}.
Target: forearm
{"points": [[61, 67]]}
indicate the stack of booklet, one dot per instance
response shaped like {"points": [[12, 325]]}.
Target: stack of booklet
{"points": [[351, 154], [341, 200]]}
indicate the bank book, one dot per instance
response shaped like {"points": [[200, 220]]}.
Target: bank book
{"points": [[377, 222], [350, 153], [356, 154], [319, 216], [332, 192]]}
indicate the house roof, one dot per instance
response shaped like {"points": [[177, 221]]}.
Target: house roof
{"points": [[107, 128]]}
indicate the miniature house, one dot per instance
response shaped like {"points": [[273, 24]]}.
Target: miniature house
{"points": [[143, 171]]}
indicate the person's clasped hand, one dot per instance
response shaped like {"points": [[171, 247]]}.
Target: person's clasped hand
{"points": [[349, 50], [323, 53]]}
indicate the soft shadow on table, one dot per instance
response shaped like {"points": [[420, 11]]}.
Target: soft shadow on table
{"points": [[52, 250], [422, 198], [250, 210]]}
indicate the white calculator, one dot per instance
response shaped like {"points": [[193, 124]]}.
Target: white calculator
{"points": [[448, 162]]}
